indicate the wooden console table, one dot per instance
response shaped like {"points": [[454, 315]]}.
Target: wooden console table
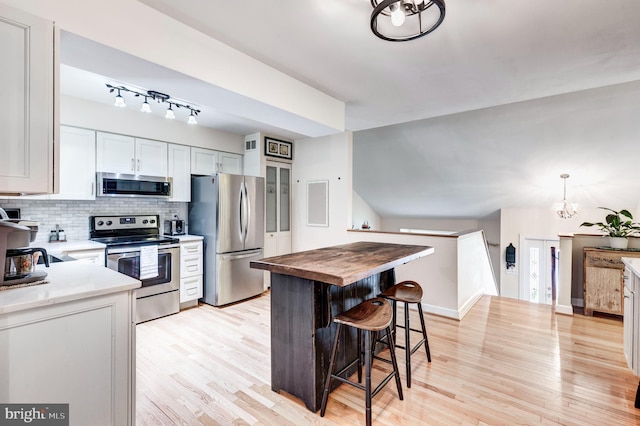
{"points": [[309, 288], [604, 279]]}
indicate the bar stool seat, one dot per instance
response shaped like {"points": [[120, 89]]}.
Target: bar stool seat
{"points": [[368, 317], [407, 292]]}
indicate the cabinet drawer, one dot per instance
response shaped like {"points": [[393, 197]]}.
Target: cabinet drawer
{"points": [[187, 249], [190, 288], [190, 266]]}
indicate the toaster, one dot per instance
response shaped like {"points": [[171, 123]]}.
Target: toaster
{"points": [[174, 227]]}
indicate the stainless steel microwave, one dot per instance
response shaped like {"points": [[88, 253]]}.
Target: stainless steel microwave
{"points": [[120, 185]]}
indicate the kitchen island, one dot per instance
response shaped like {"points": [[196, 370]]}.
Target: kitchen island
{"points": [[309, 288], [71, 340]]}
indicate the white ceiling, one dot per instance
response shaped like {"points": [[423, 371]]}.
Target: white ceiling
{"points": [[485, 54]]}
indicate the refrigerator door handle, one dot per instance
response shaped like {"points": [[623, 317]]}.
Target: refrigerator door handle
{"points": [[248, 211], [240, 213], [244, 255]]}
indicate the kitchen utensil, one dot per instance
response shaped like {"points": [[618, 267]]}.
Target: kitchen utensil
{"points": [[20, 263]]}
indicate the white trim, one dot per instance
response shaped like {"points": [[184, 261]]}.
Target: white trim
{"points": [[564, 309], [451, 313], [443, 312]]}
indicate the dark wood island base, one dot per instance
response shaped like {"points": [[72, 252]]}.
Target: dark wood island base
{"points": [[307, 290]]}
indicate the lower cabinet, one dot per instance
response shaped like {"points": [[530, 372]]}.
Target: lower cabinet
{"points": [[80, 353], [191, 269]]}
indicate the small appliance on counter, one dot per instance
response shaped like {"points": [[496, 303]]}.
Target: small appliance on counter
{"points": [[16, 257], [174, 227]]}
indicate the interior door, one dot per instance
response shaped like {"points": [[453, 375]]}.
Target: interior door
{"points": [[539, 271]]}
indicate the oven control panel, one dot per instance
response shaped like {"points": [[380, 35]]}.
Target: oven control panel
{"points": [[104, 223]]}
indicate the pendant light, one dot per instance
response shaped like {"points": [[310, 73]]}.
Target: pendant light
{"points": [[565, 209], [404, 20]]}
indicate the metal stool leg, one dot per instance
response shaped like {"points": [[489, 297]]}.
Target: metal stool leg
{"points": [[327, 385], [424, 332]]}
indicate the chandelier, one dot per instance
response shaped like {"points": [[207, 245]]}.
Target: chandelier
{"points": [[403, 20], [154, 96], [564, 209]]}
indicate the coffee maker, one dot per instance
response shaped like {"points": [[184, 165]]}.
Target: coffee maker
{"points": [[16, 258]]}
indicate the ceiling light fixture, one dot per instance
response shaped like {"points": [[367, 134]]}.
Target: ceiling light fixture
{"points": [[403, 20], [564, 209], [156, 96], [192, 119], [145, 106], [119, 102], [169, 114]]}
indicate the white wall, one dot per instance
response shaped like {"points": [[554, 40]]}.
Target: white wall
{"points": [[363, 212], [92, 115], [325, 158], [393, 224]]}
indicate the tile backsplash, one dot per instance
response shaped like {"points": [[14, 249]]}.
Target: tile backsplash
{"points": [[73, 216]]}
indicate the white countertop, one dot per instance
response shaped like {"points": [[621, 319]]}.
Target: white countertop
{"points": [[63, 247], [67, 281], [186, 238], [633, 264]]}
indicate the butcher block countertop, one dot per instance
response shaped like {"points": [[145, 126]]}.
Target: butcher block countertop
{"points": [[344, 264]]}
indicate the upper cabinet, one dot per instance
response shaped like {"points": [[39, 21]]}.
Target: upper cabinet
{"points": [[180, 170], [77, 164], [129, 155], [27, 121], [207, 162], [151, 157]]}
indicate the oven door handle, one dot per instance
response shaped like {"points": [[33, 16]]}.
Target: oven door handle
{"points": [[136, 250]]}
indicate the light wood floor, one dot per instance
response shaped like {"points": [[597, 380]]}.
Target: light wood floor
{"points": [[507, 362]]}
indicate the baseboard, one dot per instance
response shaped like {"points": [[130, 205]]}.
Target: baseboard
{"points": [[577, 302], [452, 313], [564, 309], [440, 311], [466, 307]]}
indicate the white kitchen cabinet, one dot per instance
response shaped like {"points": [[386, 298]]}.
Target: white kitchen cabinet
{"points": [[80, 352], [630, 319], [28, 117], [179, 168], [115, 153], [230, 163], [208, 161], [128, 155], [96, 256], [277, 240], [77, 164], [191, 270], [151, 157]]}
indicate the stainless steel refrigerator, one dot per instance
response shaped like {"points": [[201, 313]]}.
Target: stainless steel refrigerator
{"points": [[228, 211]]}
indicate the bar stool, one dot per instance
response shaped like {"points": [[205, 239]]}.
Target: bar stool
{"points": [[407, 292], [368, 317]]}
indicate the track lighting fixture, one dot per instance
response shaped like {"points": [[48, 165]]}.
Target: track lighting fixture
{"points": [[156, 96]]}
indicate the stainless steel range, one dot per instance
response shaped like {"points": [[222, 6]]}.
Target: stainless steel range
{"points": [[136, 248]]}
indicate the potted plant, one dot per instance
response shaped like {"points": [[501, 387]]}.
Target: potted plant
{"points": [[618, 225]]}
